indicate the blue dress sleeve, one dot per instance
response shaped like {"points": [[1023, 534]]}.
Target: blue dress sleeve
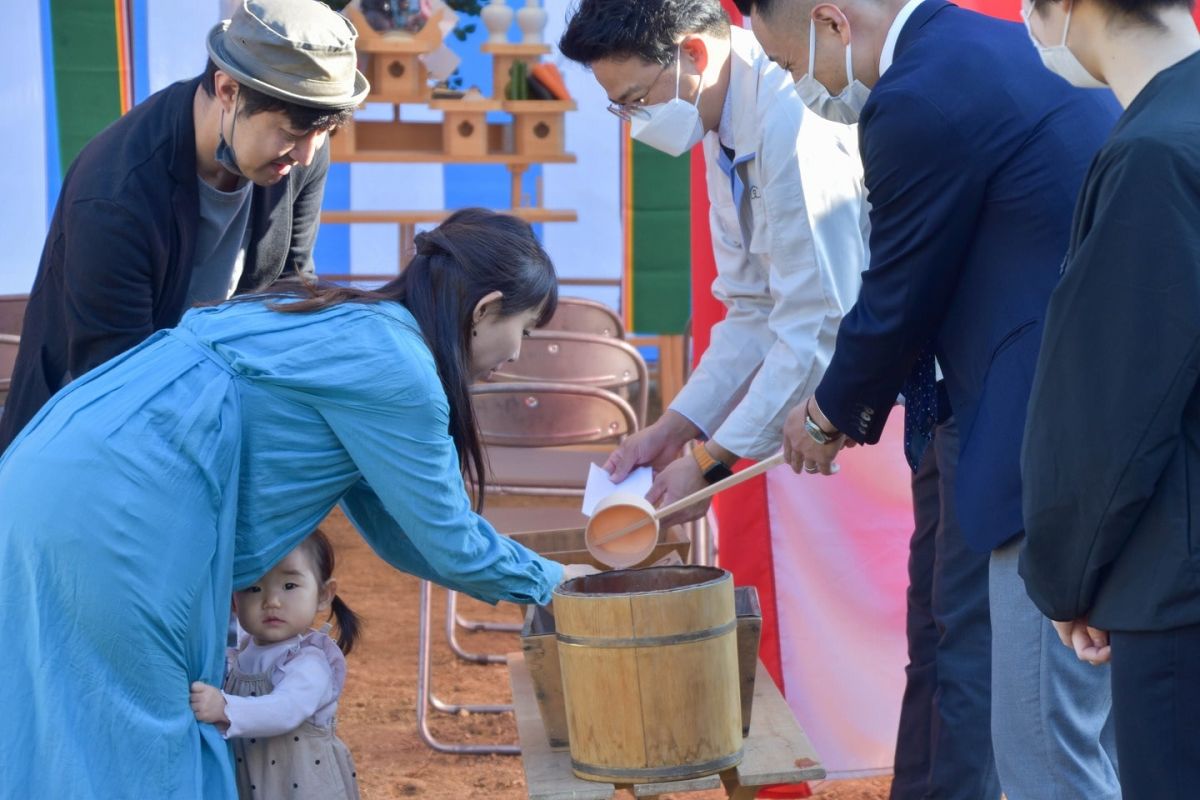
{"points": [[412, 505]]}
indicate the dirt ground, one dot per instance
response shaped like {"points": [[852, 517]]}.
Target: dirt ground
{"points": [[378, 708]]}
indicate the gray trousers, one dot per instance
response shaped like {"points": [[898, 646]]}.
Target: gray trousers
{"points": [[1052, 732]]}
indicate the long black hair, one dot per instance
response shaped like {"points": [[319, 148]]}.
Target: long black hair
{"points": [[473, 253]]}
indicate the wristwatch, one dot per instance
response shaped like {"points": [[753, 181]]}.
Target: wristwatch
{"points": [[814, 430], [712, 469]]}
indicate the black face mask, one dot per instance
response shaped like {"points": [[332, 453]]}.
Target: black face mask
{"points": [[225, 155]]}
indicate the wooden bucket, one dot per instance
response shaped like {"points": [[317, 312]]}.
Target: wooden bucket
{"points": [[540, 645], [650, 673]]}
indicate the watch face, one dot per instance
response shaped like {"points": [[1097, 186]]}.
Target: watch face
{"points": [[717, 472]]}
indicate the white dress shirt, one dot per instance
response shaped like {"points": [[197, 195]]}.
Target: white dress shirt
{"points": [[789, 224], [888, 54]]}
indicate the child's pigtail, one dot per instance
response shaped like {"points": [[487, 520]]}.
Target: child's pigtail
{"points": [[348, 624]]}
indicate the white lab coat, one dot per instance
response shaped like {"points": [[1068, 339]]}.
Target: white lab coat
{"points": [[789, 255]]}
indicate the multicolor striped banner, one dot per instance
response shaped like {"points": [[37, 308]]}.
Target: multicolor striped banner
{"points": [[92, 71], [659, 255]]}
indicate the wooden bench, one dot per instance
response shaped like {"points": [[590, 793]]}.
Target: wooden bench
{"points": [[407, 221], [776, 751]]}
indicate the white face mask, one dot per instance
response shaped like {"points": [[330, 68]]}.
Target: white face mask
{"points": [[1060, 60], [674, 127], [848, 103]]}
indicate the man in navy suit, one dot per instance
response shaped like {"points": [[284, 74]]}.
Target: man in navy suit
{"points": [[973, 155]]}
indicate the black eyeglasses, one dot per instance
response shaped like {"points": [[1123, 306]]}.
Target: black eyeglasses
{"points": [[632, 111]]}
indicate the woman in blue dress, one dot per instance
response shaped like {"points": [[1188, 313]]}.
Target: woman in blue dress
{"points": [[149, 489]]}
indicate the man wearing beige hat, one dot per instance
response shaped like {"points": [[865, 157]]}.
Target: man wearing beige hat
{"points": [[210, 187]]}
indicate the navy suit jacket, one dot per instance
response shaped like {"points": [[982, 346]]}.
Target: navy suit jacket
{"points": [[973, 154]]}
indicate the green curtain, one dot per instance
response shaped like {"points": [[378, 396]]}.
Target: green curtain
{"points": [[86, 71], [661, 241]]}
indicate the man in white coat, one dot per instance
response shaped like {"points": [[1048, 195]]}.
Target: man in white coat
{"points": [[788, 219]]}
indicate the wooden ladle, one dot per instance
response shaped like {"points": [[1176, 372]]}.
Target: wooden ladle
{"points": [[624, 528]]}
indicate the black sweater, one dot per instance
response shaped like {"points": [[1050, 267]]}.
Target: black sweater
{"points": [[118, 257], [1111, 461]]}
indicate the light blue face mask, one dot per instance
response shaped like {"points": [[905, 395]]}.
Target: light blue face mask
{"points": [[224, 154]]}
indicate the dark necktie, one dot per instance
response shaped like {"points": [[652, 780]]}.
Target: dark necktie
{"points": [[920, 407]]}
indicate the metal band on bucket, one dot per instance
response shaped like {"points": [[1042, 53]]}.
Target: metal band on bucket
{"points": [[649, 641], [678, 772]]}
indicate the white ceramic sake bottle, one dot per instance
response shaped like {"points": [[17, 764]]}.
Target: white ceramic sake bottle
{"points": [[532, 21], [497, 17]]}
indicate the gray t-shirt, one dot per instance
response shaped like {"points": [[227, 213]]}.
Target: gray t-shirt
{"points": [[221, 241]]}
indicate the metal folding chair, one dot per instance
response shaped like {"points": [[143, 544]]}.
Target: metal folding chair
{"points": [[583, 359], [12, 313], [9, 345], [560, 465], [426, 699], [540, 438], [586, 316], [562, 356]]}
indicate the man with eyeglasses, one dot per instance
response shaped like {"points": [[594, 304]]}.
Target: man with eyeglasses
{"points": [[787, 218]]}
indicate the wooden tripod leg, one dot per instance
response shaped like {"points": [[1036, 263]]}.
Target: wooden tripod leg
{"points": [[734, 788]]}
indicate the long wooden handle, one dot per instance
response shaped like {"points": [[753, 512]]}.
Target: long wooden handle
{"points": [[719, 486], [695, 497]]}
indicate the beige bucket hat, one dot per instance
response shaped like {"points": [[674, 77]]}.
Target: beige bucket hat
{"points": [[301, 51]]}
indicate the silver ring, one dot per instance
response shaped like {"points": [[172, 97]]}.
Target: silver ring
{"points": [[815, 469]]}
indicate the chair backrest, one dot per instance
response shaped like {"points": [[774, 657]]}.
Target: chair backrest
{"points": [[8, 358], [581, 359], [12, 313], [577, 315], [549, 415]]}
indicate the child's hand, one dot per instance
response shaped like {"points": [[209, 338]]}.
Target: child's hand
{"points": [[208, 704]]}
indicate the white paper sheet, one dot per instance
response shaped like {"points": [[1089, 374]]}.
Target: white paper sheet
{"points": [[441, 63], [599, 486]]}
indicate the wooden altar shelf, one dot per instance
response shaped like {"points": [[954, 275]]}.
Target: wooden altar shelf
{"points": [[533, 134], [384, 277], [407, 221], [538, 125], [529, 214], [398, 78], [426, 40], [425, 142], [391, 60], [465, 129], [505, 55]]}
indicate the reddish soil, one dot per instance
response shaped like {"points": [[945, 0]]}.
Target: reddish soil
{"points": [[378, 708]]}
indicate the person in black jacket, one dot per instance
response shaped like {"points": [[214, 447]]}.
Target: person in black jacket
{"points": [[1111, 459], [210, 186]]}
